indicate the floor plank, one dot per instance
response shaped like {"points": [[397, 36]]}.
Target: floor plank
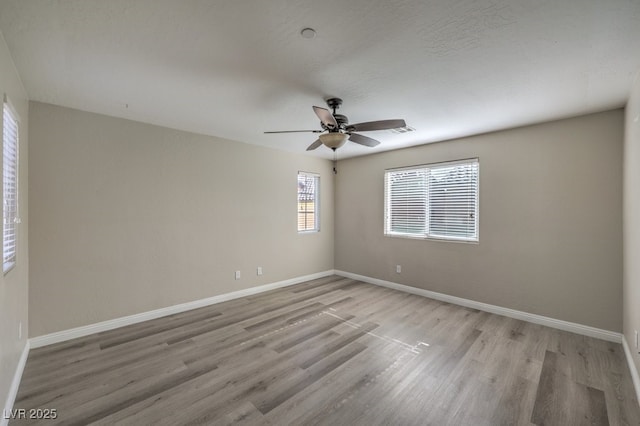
{"points": [[331, 351]]}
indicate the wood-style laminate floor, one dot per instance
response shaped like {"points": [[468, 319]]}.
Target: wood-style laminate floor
{"points": [[332, 351]]}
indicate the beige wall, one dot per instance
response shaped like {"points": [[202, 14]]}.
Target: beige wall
{"points": [[14, 285], [128, 217], [631, 288], [550, 221]]}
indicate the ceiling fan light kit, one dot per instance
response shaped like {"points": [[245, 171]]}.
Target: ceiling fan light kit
{"points": [[333, 140], [339, 131]]}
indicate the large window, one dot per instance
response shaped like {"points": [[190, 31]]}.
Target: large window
{"points": [[308, 202], [9, 186], [433, 201]]}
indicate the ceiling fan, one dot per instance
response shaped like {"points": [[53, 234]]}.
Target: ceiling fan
{"points": [[336, 129]]}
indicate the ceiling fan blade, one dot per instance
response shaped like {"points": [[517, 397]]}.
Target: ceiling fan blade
{"points": [[326, 117], [314, 145], [363, 140], [296, 131], [376, 125]]}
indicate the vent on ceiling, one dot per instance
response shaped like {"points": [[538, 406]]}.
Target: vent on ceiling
{"points": [[405, 129]]}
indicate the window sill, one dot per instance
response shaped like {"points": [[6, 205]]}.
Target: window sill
{"points": [[7, 267], [438, 239]]}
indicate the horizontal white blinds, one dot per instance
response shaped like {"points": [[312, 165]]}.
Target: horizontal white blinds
{"points": [[406, 201], [10, 186], [453, 200], [436, 201]]}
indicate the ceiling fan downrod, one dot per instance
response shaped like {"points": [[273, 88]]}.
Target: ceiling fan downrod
{"points": [[334, 103]]}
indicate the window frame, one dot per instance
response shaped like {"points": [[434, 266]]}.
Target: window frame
{"points": [[316, 203], [9, 262], [428, 235]]}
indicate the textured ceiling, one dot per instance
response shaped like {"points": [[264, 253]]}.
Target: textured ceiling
{"points": [[237, 68]]}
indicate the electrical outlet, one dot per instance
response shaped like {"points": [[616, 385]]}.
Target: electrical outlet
{"points": [[259, 271], [20, 331], [398, 269], [237, 275]]}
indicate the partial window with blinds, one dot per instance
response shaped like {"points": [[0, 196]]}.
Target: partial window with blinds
{"points": [[308, 202], [9, 186], [433, 201]]}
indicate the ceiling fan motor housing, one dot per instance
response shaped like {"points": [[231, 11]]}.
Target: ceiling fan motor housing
{"points": [[342, 121]]}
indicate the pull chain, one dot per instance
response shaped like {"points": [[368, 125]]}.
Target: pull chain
{"points": [[335, 161]]}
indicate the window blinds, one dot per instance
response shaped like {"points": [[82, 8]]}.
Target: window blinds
{"points": [[10, 186], [308, 205], [453, 200], [434, 201], [406, 202]]}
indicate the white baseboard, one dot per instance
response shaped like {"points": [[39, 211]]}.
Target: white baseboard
{"points": [[585, 330], [61, 336], [15, 384], [632, 367]]}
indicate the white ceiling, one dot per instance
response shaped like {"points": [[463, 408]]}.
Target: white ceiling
{"points": [[236, 68]]}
